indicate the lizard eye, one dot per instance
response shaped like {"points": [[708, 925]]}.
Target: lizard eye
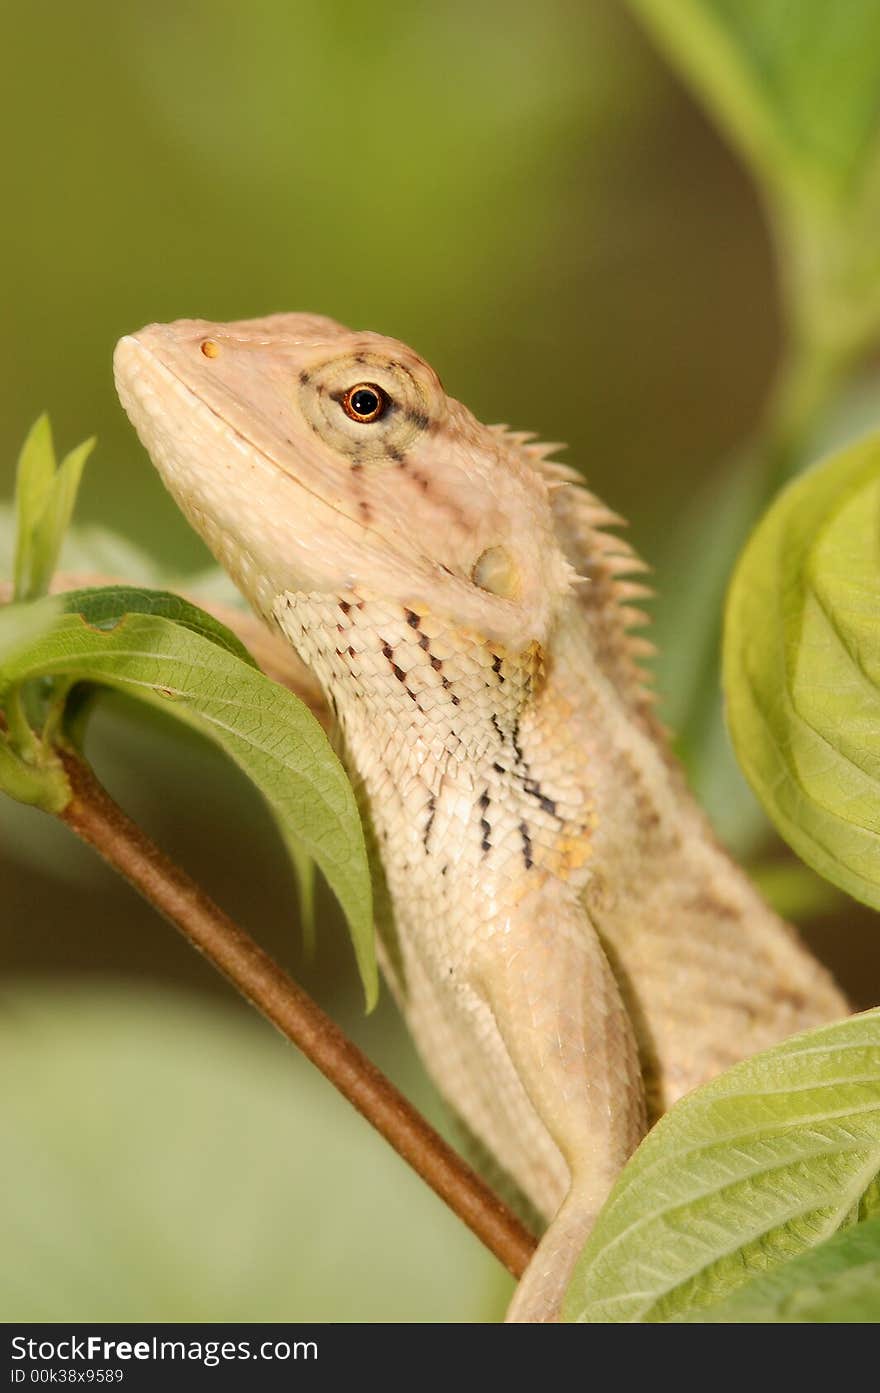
{"points": [[368, 406], [365, 402]]}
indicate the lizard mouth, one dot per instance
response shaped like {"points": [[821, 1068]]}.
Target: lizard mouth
{"points": [[135, 363]]}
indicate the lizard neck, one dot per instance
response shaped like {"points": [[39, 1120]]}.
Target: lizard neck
{"points": [[472, 775]]}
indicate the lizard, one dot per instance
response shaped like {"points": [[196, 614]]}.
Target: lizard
{"points": [[570, 946]]}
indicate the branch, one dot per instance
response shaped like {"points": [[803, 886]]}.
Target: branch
{"points": [[98, 820]]}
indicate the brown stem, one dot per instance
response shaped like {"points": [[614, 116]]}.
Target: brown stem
{"points": [[98, 820]]}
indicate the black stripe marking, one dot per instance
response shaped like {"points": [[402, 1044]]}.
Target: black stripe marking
{"points": [[485, 825], [533, 788], [517, 748], [527, 846], [432, 809]]}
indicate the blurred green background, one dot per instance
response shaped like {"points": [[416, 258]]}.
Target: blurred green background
{"points": [[528, 196]]}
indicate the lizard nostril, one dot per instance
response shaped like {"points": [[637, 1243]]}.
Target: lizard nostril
{"points": [[210, 348]]}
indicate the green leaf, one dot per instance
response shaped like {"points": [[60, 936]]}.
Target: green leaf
{"points": [[795, 83], [838, 1282], [19, 624], [104, 606], [52, 523], [802, 667], [759, 1165], [160, 650], [28, 773], [304, 867], [41, 785], [44, 500], [36, 470]]}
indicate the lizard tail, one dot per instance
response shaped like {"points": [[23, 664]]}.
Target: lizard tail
{"points": [[538, 1298]]}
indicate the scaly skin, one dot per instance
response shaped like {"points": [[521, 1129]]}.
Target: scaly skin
{"points": [[556, 920]]}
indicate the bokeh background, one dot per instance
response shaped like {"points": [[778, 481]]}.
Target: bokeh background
{"points": [[528, 196]]}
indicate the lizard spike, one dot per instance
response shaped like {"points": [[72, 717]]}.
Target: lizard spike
{"points": [[633, 590], [626, 563], [614, 554], [609, 541], [571, 578], [543, 449], [556, 469], [620, 559], [592, 500], [600, 516], [594, 512], [633, 618], [520, 439], [641, 647], [590, 514]]}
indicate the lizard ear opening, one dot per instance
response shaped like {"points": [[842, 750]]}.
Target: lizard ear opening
{"points": [[496, 571]]}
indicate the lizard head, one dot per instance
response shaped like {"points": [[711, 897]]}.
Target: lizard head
{"points": [[313, 458]]}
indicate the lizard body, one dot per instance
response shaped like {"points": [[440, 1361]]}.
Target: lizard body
{"points": [[559, 925]]}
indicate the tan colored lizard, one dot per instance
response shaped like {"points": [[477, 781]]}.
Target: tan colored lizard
{"points": [[558, 923]]}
